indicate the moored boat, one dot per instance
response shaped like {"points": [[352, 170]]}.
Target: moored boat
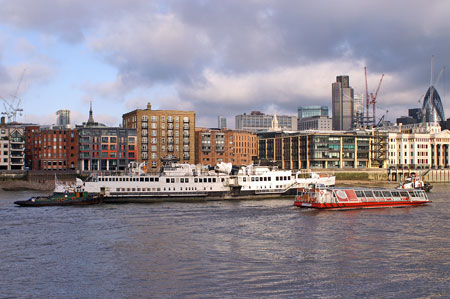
{"points": [[61, 199], [414, 182], [184, 181], [319, 197]]}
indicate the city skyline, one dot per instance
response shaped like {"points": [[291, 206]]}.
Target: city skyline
{"points": [[215, 58]]}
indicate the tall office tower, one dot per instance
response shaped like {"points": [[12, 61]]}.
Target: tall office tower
{"points": [[63, 118], [358, 111], [342, 104], [310, 111], [221, 122], [162, 134]]}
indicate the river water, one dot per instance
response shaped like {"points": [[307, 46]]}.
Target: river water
{"points": [[224, 249]]}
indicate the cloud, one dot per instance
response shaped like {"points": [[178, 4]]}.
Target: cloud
{"points": [[68, 20], [16, 80], [230, 57]]}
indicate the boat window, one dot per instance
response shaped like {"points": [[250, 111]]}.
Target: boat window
{"points": [[261, 179], [277, 178], [368, 193], [152, 179], [359, 193], [134, 189], [200, 180], [159, 189], [253, 179], [138, 189], [257, 179], [244, 179], [195, 180], [167, 180], [395, 194], [378, 193], [147, 179], [214, 180], [269, 179], [404, 193], [186, 180], [141, 179], [209, 180], [222, 180], [182, 180], [128, 189], [172, 180], [156, 179], [387, 194]]}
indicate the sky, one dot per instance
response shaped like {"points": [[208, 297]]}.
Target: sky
{"points": [[216, 57]]}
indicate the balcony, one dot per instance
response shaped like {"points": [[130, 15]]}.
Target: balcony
{"points": [[186, 134]]}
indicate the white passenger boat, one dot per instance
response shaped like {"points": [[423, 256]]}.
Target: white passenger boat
{"points": [[177, 181]]}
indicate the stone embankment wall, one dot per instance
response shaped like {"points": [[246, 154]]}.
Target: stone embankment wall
{"points": [[34, 180]]}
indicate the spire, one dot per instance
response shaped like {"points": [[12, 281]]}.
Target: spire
{"points": [[275, 122], [91, 116]]}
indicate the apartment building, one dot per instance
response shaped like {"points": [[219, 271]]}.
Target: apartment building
{"points": [[162, 133], [213, 146]]}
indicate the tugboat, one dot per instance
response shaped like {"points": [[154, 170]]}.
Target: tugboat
{"points": [[414, 182], [320, 197], [61, 199]]}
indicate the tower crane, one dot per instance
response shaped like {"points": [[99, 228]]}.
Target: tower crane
{"points": [[371, 99], [13, 107]]}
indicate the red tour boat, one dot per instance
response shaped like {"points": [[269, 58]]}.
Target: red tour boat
{"points": [[357, 198]]}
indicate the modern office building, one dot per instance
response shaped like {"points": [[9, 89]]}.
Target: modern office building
{"points": [[63, 118], [213, 146], [310, 111], [12, 146], [103, 148], [51, 148], [162, 133], [222, 122], [257, 121], [316, 149], [318, 123], [342, 104], [358, 111], [414, 117]]}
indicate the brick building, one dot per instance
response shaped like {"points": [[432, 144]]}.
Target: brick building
{"points": [[162, 133], [213, 146], [50, 148]]}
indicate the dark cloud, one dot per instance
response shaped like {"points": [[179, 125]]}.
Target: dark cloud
{"points": [[236, 56]]}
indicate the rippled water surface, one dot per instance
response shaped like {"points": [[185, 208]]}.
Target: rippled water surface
{"points": [[223, 249]]}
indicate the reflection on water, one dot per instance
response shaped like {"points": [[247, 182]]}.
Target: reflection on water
{"points": [[224, 249]]}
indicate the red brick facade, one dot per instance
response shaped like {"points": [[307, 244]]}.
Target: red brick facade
{"points": [[51, 149]]}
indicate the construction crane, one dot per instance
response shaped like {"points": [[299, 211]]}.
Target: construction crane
{"points": [[13, 107], [371, 99]]}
